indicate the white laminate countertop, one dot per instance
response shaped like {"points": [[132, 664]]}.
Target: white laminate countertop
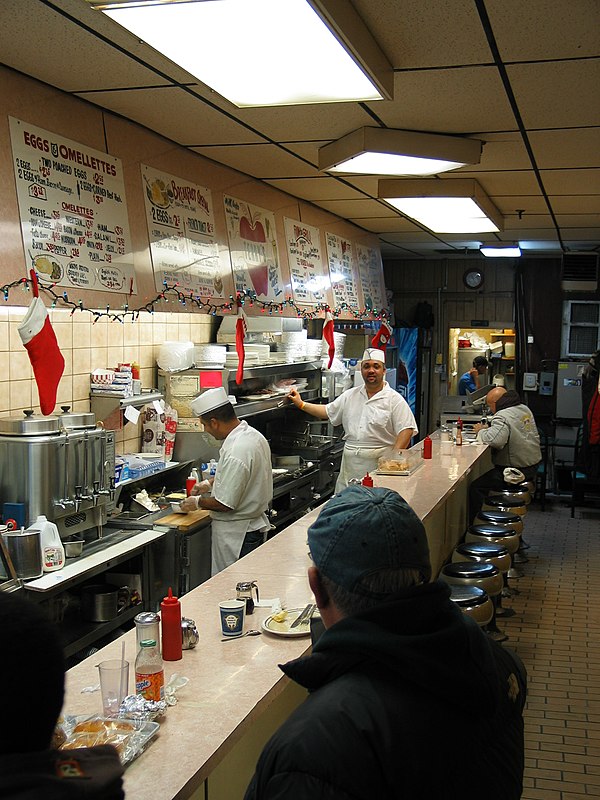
{"points": [[231, 683]]}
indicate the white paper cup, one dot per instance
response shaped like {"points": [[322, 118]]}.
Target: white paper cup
{"points": [[232, 613]]}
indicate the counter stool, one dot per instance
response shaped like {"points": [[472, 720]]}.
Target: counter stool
{"points": [[519, 492], [502, 502], [474, 602], [483, 575], [491, 553], [495, 501], [506, 519], [501, 535]]}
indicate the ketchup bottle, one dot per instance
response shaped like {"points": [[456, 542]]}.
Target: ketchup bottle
{"points": [[367, 480], [427, 447], [170, 620]]}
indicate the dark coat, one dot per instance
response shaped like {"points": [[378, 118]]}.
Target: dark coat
{"points": [[410, 701]]}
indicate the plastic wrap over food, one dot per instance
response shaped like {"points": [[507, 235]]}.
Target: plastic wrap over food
{"points": [[128, 736]]}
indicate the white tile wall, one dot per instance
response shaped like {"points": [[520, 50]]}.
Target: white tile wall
{"points": [[87, 345]]}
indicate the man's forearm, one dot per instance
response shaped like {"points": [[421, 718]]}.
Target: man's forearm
{"points": [[403, 439], [210, 504]]}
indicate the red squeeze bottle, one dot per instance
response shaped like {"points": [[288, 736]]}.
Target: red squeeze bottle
{"points": [[367, 480], [427, 447], [170, 620]]}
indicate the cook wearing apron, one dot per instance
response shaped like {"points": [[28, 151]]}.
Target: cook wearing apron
{"points": [[243, 484], [376, 419]]}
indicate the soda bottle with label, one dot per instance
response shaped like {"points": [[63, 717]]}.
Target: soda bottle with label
{"points": [[149, 673]]}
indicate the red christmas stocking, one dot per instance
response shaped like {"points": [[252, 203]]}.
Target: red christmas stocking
{"points": [[328, 336], [241, 327], [46, 359], [382, 337]]}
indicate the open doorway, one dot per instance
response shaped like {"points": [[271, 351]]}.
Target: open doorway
{"points": [[496, 344]]}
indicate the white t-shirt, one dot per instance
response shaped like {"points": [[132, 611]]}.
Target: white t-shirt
{"points": [[371, 422], [244, 478]]}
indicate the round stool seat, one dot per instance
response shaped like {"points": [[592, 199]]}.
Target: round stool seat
{"points": [[514, 493], [471, 573], [508, 538], [483, 552], [474, 602], [507, 519], [495, 502]]}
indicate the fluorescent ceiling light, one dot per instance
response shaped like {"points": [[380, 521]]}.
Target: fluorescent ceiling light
{"points": [[382, 151], [456, 205], [264, 52], [501, 251]]}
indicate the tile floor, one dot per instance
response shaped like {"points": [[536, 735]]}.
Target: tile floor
{"points": [[556, 631]]}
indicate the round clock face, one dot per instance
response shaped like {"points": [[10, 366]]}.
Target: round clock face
{"points": [[473, 279]]}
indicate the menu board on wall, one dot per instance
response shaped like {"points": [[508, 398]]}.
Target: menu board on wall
{"points": [[181, 229], [73, 211], [370, 270], [342, 271], [310, 279], [253, 249]]}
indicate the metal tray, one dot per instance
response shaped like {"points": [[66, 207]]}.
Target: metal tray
{"points": [[400, 472]]}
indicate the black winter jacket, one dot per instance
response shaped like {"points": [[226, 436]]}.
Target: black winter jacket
{"points": [[410, 701]]}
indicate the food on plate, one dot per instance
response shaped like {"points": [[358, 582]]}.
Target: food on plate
{"points": [[46, 266], [280, 616]]}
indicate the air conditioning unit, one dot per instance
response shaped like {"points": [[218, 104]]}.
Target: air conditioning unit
{"points": [[579, 272]]}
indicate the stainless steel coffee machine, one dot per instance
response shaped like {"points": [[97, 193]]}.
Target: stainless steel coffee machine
{"points": [[60, 466]]}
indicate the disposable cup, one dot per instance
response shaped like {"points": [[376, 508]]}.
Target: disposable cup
{"points": [[114, 684], [232, 613]]}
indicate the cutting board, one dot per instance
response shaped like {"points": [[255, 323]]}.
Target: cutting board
{"points": [[183, 522]]}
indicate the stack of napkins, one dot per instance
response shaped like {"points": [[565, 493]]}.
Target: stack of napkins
{"points": [[117, 382]]}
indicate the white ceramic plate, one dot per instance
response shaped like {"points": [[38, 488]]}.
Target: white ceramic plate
{"points": [[283, 628]]}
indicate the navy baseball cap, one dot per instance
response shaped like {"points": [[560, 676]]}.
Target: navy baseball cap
{"points": [[364, 530]]}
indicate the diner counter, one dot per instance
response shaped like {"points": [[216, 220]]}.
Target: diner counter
{"points": [[237, 695]]}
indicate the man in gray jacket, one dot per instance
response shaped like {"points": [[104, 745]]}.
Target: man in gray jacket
{"points": [[514, 438]]}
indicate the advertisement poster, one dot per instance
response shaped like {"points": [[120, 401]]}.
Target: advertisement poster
{"points": [[342, 271], [407, 340], [309, 279], [181, 229], [370, 270], [73, 211], [253, 250]]}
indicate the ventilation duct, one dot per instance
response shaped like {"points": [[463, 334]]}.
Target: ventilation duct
{"points": [[579, 272]]}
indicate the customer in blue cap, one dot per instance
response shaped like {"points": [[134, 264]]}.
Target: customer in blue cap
{"points": [[409, 699]]}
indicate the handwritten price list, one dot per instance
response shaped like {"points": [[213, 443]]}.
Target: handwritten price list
{"points": [[73, 211]]}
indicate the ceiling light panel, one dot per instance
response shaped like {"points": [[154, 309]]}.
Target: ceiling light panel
{"points": [[261, 52], [501, 251], [385, 151], [444, 206]]}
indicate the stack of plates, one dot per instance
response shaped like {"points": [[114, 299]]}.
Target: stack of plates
{"points": [[250, 360], [313, 348], [261, 350], [293, 344], [209, 355]]}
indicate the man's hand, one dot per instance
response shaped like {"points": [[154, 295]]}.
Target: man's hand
{"points": [[295, 397], [478, 427], [202, 487], [189, 504]]}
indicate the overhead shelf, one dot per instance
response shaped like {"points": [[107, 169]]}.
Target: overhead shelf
{"points": [[103, 404]]}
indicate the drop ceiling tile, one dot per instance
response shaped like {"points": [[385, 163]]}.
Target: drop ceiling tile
{"points": [[444, 33], [36, 39], [550, 95], [174, 113], [501, 151], [260, 160], [580, 221], [584, 204], [509, 205], [323, 120], [307, 149], [571, 181], [517, 228], [459, 101], [504, 183], [358, 208], [316, 189], [382, 224], [556, 149], [542, 29]]}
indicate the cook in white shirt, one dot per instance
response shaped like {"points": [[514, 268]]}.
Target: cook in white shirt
{"points": [[242, 487], [376, 419]]}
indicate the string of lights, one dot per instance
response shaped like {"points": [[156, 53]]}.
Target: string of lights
{"points": [[174, 293]]}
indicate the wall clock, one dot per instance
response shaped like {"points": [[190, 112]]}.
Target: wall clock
{"points": [[473, 279]]}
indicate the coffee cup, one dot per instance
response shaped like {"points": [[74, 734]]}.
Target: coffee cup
{"points": [[232, 613]]}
